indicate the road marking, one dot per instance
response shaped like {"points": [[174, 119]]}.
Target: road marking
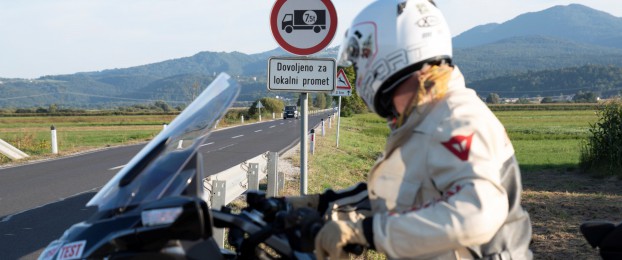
{"points": [[225, 147], [238, 136], [116, 168], [282, 123], [207, 144], [272, 126], [257, 131]]}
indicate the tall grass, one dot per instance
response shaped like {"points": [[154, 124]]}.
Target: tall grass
{"points": [[601, 154]]}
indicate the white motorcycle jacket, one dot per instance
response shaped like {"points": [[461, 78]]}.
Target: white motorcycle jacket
{"points": [[448, 185]]}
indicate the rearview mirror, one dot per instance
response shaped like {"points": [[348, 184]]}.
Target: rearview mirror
{"points": [[183, 218]]}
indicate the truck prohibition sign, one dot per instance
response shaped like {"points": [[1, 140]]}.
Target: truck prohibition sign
{"points": [[304, 20]]}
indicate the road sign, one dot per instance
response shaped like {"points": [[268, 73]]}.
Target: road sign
{"points": [[259, 105], [343, 87], [303, 27], [300, 74]]}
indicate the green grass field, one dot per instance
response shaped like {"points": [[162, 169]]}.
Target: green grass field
{"points": [[547, 139], [557, 196], [32, 135]]}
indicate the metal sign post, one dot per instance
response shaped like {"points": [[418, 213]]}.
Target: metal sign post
{"points": [[343, 88], [259, 106], [302, 28], [304, 128], [338, 120]]}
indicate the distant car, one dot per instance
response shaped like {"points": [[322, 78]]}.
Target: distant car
{"points": [[290, 112]]}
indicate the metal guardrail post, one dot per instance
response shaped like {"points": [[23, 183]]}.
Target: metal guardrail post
{"points": [[253, 176], [312, 145], [219, 190], [280, 183], [273, 160]]}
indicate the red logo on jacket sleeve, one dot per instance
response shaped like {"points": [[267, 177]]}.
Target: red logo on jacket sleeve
{"points": [[459, 145]]}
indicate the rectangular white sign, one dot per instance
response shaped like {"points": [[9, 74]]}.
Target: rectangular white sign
{"points": [[341, 92], [299, 74]]}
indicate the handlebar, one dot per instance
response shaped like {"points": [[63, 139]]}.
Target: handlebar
{"points": [[272, 219]]}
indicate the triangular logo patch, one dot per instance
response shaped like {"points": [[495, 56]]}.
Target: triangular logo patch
{"points": [[460, 146]]}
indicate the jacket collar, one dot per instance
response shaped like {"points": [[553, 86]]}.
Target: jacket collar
{"points": [[400, 135]]}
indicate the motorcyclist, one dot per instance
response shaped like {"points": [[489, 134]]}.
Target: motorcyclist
{"points": [[448, 185]]}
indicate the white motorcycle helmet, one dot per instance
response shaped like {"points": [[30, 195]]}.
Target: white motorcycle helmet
{"points": [[388, 41]]}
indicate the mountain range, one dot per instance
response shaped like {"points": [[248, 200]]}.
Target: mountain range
{"points": [[563, 39]]}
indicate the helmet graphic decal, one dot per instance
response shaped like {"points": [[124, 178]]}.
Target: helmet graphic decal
{"points": [[368, 47], [423, 9], [428, 21]]}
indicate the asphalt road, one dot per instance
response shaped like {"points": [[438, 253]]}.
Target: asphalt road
{"points": [[38, 201]]}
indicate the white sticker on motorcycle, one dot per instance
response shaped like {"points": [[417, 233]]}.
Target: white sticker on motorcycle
{"points": [[72, 250], [51, 250]]}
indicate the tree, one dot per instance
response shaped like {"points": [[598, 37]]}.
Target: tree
{"points": [[320, 101], [585, 97], [269, 104], [522, 101], [53, 108], [162, 105], [353, 104], [493, 98]]}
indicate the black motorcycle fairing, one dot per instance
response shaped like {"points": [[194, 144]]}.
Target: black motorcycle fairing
{"points": [[166, 168]]}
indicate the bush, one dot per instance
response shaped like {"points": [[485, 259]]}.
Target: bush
{"points": [[270, 105], [601, 155]]}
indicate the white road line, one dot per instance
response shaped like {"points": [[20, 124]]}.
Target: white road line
{"points": [[225, 147], [282, 123], [272, 126], [116, 168], [238, 136], [257, 131], [207, 144]]}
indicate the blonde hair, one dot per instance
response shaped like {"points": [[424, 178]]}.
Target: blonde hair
{"points": [[433, 83]]}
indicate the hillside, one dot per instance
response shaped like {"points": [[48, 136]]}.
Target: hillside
{"points": [[605, 80], [521, 54], [573, 22]]}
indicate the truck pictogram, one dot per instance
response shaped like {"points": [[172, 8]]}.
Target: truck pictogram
{"points": [[304, 20]]}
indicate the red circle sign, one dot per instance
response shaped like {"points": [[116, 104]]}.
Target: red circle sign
{"points": [[303, 27]]}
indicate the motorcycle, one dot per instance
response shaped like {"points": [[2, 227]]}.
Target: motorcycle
{"points": [[604, 235], [154, 208]]}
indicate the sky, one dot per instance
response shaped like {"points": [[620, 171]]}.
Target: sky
{"points": [[51, 37]]}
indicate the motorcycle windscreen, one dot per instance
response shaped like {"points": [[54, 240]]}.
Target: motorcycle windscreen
{"points": [[156, 171]]}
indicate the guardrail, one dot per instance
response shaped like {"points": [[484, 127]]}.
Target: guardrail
{"points": [[224, 187], [10, 151]]}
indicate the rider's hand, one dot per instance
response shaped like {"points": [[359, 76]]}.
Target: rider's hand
{"points": [[306, 201], [335, 235]]}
